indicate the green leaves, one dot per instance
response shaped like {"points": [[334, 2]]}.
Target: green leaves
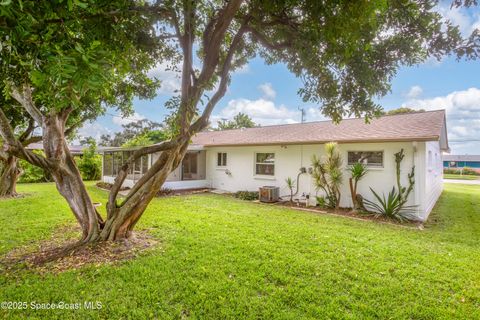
{"points": [[76, 54]]}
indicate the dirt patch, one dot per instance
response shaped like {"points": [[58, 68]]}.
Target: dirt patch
{"points": [[348, 212], [60, 252]]}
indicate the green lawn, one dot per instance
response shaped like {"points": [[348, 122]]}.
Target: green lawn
{"points": [[222, 258], [460, 177]]}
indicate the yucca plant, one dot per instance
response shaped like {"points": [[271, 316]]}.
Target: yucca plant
{"points": [[290, 185], [393, 206], [357, 172], [327, 175]]}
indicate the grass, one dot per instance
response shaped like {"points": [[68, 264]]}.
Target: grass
{"points": [[223, 258], [460, 177]]}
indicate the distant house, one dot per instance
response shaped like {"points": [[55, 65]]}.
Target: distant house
{"points": [[462, 161], [246, 159]]}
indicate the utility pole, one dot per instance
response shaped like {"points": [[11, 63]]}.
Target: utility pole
{"points": [[302, 110]]}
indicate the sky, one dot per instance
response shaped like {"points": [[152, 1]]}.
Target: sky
{"points": [[268, 94]]}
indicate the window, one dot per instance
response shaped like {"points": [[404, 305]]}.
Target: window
{"points": [[265, 164], [221, 159], [430, 160], [452, 164], [369, 158]]}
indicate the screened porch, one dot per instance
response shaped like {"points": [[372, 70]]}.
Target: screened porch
{"points": [[191, 173]]}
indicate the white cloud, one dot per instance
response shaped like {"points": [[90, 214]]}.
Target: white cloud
{"points": [[414, 92], [262, 112], [463, 117], [267, 90], [462, 17], [94, 130], [123, 121], [169, 77], [265, 112]]}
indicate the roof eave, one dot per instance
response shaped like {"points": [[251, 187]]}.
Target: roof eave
{"points": [[406, 139]]}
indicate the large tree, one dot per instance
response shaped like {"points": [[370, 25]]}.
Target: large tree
{"points": [[241, 120], [145, 130], [23, 127], [345, 52]]}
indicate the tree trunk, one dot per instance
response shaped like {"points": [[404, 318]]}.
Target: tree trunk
{"points": [[122, 219], [68, 180], [9, 173]]}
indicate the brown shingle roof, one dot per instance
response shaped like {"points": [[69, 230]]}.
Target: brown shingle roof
{"points": [[421, 126]]}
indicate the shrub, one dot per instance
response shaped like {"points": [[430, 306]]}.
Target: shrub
{"points": [[104, 185], [31, 173], [246, 195], [327, 175], [357, 172], [320, 201], [165, 192], [90, 164], [465, 171], [290, 185], [392, 206], [470, 172]]}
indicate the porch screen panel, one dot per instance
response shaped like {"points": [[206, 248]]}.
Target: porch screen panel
{"points": [[108, 164], [117, 162]]}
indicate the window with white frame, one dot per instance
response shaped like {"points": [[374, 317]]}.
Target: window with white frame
{"points": [[221, 159], [265, 164], [372, 159]]}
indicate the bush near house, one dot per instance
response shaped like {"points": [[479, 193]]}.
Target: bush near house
{"points": [[90, 164], [246, 195], [33, 174], [464, 171]]}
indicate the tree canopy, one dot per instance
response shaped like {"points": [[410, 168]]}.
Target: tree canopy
{"points": [[402, 110], [138, 133], [241, 120]]}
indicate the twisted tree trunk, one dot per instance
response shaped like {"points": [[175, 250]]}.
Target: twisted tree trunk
{"points": [[9, 173], [67, 178], [122, 218]]}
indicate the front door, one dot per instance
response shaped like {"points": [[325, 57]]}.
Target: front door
{"points": [[189, 166]]}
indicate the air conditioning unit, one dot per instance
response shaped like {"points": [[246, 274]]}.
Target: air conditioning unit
{"points": [[269, 194]]}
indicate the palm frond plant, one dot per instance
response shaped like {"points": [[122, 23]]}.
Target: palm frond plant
{"points": [[290, 185], [328, 176], [392, 206], [357, 172]]}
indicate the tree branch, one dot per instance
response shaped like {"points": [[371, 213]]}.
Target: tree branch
{"points": [[30, 140], [202, 122], [122, 174], [13, 146], [25, 100], [268, 44], [28, 131]]}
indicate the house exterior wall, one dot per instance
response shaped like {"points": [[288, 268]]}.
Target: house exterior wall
{"points": [[433, 175], [239, 173]]}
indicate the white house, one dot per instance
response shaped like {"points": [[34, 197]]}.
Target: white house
{"points": [[246, 159]]}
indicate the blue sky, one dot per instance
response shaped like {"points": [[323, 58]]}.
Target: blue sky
{"points": [[269, 94]]}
